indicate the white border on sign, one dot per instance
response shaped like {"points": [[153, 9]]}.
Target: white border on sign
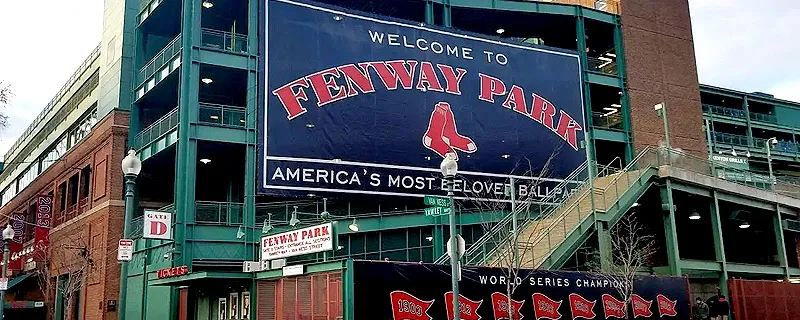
{"points": [[265, 40]]}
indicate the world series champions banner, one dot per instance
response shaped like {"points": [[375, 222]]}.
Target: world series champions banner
{"points": [[353, 103], [411, 291]]}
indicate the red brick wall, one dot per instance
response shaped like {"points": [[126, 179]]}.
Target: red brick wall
{"points": [[98, 225], [660, 64]]}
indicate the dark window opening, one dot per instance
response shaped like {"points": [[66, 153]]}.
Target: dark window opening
{"points": [[73, 190], [86, 180], [62, 197]]}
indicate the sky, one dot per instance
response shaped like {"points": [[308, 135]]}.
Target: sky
{"points": [[744, 45]]}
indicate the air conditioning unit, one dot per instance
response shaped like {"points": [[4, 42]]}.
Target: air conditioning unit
{"points": [[601, 5]]}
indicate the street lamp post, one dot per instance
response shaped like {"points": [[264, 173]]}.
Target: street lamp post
{"points": [[770, 142], [131, 166], [449, 168], [8, 235], [661, 110]]}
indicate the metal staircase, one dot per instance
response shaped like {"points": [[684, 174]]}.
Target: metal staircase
{"points": [[547, 239]]}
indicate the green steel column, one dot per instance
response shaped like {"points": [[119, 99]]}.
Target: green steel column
{"points": [[447, 19], [347, 291], [777, 224], [438, 239], [186, 157], [670, 231], [603, 244], [746, 108], [624, 101], [719, 243], [580, 31], [429, 12]]}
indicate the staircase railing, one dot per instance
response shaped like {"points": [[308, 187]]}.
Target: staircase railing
{"points": [[505, 224]]}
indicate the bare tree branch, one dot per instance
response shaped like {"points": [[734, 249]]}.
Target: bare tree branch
{"points": [[65, 271]]}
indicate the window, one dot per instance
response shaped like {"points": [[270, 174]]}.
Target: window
{"points": [[73, 190], [86, 181], [62, 197]]}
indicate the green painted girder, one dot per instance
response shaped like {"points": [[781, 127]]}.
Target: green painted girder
{"points": [[610, 80], [536, 7], [610, 135], [225, 59]]}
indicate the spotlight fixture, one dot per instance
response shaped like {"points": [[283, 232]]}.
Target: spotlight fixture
{"points": [[337, 17], [205, 160], [294, 220], [744, 225], [694, 216], [353, 226], [207, 80], [733, 153], [500, 31], [207, 4]]}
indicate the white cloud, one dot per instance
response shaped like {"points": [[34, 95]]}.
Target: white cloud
{"points": [[43, 44], [747, 45]]}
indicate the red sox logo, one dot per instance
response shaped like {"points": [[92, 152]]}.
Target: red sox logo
{"points": [[442, 135]]}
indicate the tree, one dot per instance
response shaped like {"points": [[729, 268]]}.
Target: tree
{"points": [[632, 247], [5, 98], [66, 269], [516, 245]]}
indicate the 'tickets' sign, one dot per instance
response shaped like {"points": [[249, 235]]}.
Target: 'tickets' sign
{"points": [[173, 272], [412, 291], [157, 225], [296, 242]]}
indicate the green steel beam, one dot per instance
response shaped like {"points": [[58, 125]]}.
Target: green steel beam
{"points": [[603, 244], [700, 265], [429, 19], [195, 276], [745, 201], [535, 7], [224, 59], [414, 220], [603, 79], [309, 269], [670, 231], [609, 135], [619, 48], [580, 32], [746, 109], [693, 189], [779, 242], [348, 289], [755, 269], [210, 132], [719, 243]]}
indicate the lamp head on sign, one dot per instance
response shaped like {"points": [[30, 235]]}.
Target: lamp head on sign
{"points": [[131, 165], [8, 232], [449, 166]]}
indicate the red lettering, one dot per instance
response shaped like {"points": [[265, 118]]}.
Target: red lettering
{"points": [[543, 111], [452, 79], [357, 77], [516, 97], [325, 231], [490, 87], [568, 129], [323, 82], [427, 77], [391, 72], [290, 99]]}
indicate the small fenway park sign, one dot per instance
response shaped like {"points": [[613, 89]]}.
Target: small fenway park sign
{"points": [[296, 242]]}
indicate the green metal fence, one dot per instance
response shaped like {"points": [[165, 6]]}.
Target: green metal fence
{"points": [[222, 40], [157, 129], [163, 58], [222, 114]]}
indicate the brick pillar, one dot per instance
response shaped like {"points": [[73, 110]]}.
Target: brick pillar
{"points": [[660, 65]]}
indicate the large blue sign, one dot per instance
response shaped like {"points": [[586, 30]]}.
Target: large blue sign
{"points": [[359, 104]]}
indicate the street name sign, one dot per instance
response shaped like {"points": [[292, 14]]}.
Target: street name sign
{"points": [[436, 201]]}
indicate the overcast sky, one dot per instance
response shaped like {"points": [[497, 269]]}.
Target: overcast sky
{"points": [[740, 44]]}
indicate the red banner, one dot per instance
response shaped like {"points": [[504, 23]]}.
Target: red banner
{"points": [[18, 224], [41, 233], [581, 307], [408, 307], [469, 308], [641, 307], [666, 307], [613, 307], [501, 308], [545, 308]]}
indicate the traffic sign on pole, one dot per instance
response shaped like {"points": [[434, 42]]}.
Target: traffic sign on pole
{"points": [[125, 250], [436, 201], [437, 211]]}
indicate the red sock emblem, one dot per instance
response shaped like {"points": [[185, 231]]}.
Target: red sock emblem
{"points": [[442, 136]]}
